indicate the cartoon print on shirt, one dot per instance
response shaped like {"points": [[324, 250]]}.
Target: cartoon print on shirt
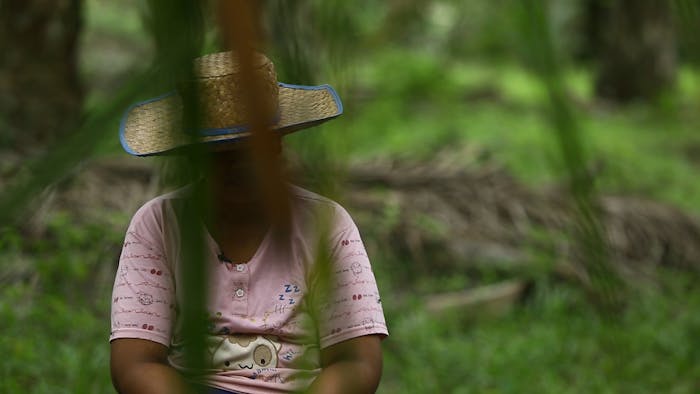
{"points": [[289, 355], [356, 268], [289, 293], [232, 352], [123, 271], [144, 298], [346, 242]]}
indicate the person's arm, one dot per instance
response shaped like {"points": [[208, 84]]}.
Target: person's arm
{"points": [[353, 366], [141, 366]]}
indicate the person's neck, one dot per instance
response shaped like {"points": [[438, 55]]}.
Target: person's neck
{"points": [[239, 230], [239, 215]]}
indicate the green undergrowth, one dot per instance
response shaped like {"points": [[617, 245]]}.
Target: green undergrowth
{"points": [[553, 343], [54, 307], [52, 345]]}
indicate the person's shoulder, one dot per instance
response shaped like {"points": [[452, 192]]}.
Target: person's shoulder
{"points": [[318, 206], [157, 206], [308, 198]]}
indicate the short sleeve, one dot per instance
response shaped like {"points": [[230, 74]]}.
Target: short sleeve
{"points": [[143, 297], [352, 305]]}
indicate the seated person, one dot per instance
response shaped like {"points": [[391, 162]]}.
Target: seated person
{"points": [[276, 322]]}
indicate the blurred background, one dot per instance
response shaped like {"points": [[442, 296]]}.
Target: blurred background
{"points": [[524, 174]]}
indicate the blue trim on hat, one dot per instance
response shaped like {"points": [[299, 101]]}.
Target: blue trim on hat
{"points": [[233, 130], [330, 89]]}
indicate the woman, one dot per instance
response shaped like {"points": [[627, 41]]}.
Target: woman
{"points": [[275, 323]]}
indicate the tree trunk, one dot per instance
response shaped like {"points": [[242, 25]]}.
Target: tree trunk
{"points": [[634, 42], [40, 92]]}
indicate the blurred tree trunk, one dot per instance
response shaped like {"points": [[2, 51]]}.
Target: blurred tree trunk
{"points": [[634, 43], [40, 92]]}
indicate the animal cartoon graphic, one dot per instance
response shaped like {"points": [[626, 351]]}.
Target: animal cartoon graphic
{"points": [[123, 271], [243, 351], [144, 298], [356, 268]]}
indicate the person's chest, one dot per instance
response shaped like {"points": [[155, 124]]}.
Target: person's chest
{"points": [[267, 295], [265, 305]]}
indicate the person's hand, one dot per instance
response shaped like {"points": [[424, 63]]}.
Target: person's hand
{"points": [[353, 366], [140, 366]]}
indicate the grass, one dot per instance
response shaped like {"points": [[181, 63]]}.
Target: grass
{"points": [[53, 346], [55, 311], [554, 344]]}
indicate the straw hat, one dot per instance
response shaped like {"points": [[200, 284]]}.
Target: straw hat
{"points": [[154, 126]]}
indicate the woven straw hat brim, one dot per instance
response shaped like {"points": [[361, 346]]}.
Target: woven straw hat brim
{"points": [[153, 127]]}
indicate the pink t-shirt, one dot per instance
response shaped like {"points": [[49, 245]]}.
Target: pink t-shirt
{"points": [[263, 337]]}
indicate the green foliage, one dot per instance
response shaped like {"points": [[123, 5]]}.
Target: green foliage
{"points": [[55, 310], [498, 109], [554, 344], [54, 347]]}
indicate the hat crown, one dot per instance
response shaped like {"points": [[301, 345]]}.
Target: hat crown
{"points": [[223, 100], [226, 63]]}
